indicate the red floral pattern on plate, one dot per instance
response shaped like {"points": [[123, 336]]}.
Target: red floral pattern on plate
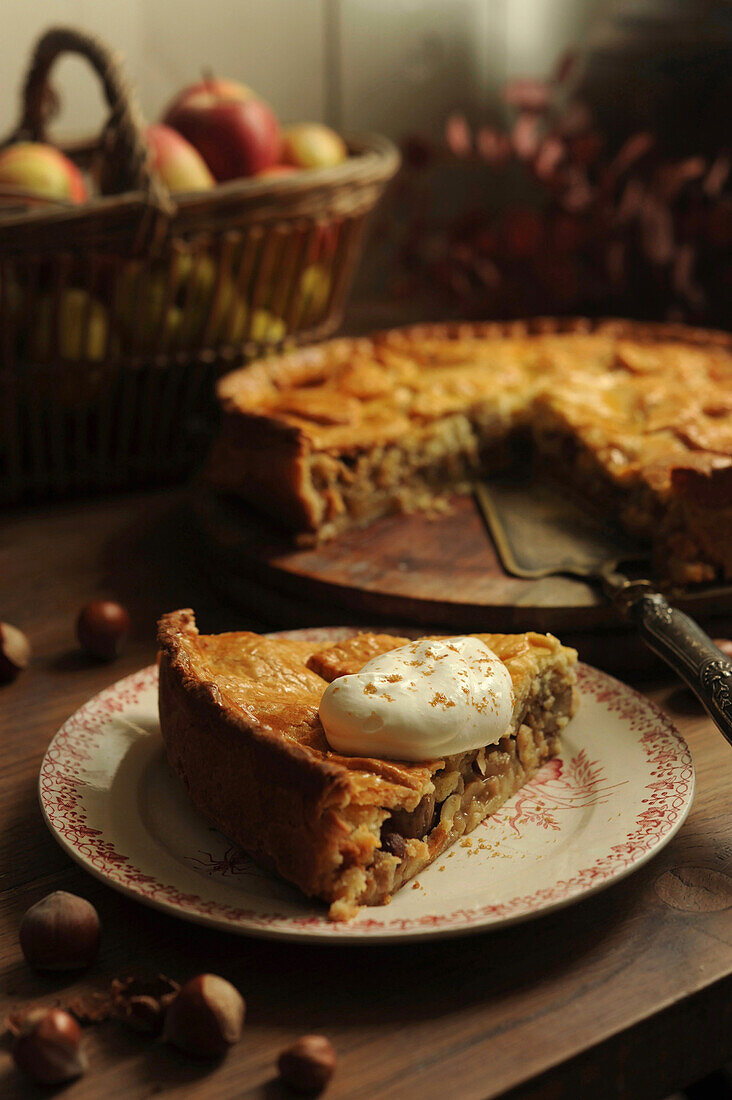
{"points": [[557, 786], [63, 781]]}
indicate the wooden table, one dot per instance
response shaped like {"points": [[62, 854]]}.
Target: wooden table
{"points": [[626, 994]]}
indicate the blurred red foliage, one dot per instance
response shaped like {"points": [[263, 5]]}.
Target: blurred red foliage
{"points": [[595, 230]]}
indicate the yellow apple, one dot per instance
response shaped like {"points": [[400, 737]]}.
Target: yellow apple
{"points": [[267, 328], [140, 299], [82, 328], [312, 145], [201, 306], [313, 295], [202, 301], [179, 165], [42, 170], [213, 305], [233, 326]]}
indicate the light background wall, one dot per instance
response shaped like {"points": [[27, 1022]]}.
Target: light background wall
{"points": [[389, 65]]}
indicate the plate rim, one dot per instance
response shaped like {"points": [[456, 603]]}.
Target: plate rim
{"points": [[659, 724]]}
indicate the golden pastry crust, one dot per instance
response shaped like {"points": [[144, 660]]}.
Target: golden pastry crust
{"points": [[334, 436], [239, 717]]}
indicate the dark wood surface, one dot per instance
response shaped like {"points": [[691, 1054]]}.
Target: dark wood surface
{"points": [[626, 994]]}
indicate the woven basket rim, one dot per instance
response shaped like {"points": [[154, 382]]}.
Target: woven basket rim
{"points": [[373, 159]]}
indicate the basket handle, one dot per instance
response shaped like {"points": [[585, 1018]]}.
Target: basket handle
{"points": [[123, 135]]}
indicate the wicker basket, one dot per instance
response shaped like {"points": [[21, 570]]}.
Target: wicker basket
{"points": [[117, 316]]}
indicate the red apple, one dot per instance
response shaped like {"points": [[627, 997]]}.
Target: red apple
{"points": [[201, 93], [42, 170], [179, 165], [235, 133], [312, 145]]}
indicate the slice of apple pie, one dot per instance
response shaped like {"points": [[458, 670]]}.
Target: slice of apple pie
{"points": [[241, 719]]}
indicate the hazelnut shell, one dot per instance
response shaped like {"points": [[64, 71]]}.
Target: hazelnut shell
{"points": [[15, 652], [60, 932], [309, 1064], [103, 628], [142, 1002], [206, 1017], [46, 1048]]}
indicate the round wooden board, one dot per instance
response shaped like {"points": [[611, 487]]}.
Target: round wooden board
{"points": [[439, 570]]}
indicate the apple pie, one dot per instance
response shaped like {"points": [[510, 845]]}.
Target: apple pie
{"points": [[240, 722], [637, 417]]}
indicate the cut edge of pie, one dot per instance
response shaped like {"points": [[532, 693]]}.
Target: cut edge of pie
{"points": [[239, 719], [637, 415]]}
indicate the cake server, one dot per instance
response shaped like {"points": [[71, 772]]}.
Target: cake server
{"points": [[539, 530]]}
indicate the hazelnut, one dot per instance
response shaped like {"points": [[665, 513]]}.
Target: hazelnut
{"points": [[308, 1065], [60, 932], [103, 628], [15, 652], [141, 1003], [725, 644], [47, 1047], [206, 1017]]}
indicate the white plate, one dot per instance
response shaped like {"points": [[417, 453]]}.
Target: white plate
{"points": [[620, 790]]}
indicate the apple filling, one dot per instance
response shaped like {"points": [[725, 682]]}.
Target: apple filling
{"points": [[352, 489], [465, 790]]}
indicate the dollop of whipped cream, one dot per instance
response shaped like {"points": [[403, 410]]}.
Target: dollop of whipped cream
{"points": [[420, 701]]}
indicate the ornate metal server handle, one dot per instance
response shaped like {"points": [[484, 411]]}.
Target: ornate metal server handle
{"points": [[683, 645]]}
